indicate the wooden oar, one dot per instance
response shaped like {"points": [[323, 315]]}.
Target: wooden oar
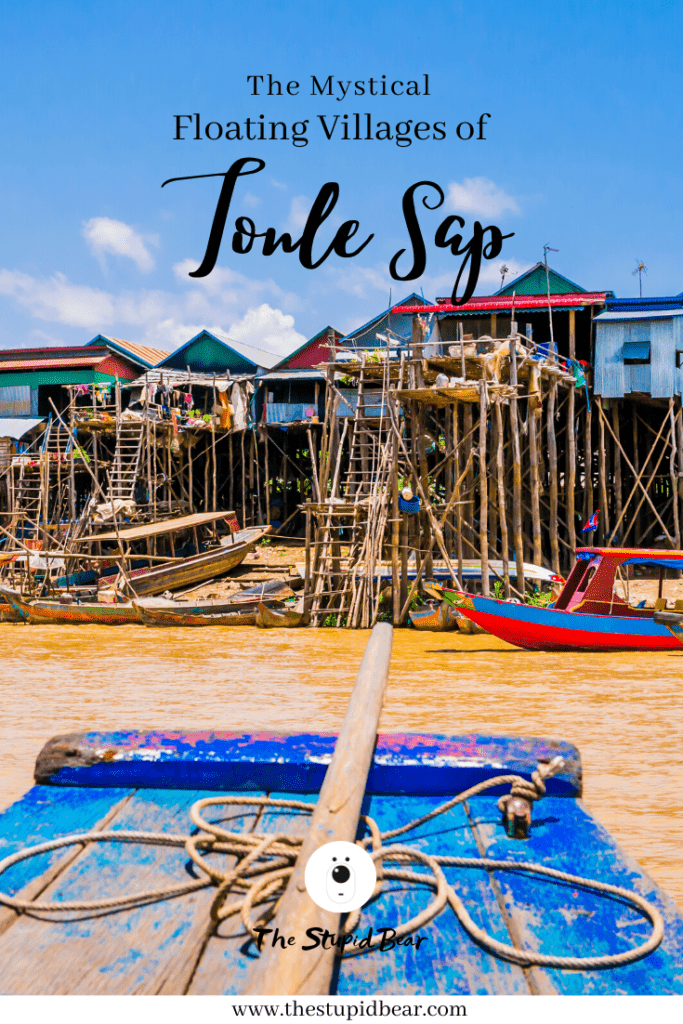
{"points": [[291, 971]]}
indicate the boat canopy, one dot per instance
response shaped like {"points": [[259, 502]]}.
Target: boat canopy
{"points": [[653, 557], [657, 563], [155, 529]]}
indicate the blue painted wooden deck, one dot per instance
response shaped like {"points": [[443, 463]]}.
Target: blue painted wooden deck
{"points": [[170, 947]]}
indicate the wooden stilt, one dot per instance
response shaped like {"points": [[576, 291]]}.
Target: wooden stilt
{"points": [[616, 462], [570, 498], [552, 472], [502, 512], [516, 475], [604, 508], [672, 474], [483, 495], [533, 419]]}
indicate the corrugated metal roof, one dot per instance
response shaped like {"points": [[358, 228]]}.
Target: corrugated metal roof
{"points": [[180, 377], [651, 314], [494, 303], [55, 363], [656, 303], [291, 375], [141, 353]]}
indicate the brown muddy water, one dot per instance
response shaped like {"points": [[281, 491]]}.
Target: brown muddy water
{"points": [[623, 711]]}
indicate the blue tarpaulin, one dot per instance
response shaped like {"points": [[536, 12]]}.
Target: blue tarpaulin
{"points": [[657, 563]]}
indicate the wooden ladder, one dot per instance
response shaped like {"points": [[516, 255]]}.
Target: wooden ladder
{"points": [[129, 438]]}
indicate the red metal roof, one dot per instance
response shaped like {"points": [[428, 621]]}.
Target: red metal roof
{"points": [[650, 553], [65, 362], [493, 303]]}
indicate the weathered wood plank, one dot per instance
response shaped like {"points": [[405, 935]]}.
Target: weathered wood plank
{"points": [[150, 949], [564, 920], [43, 814], [229, 953], [448, 962], [285, 971], [213, 760]]}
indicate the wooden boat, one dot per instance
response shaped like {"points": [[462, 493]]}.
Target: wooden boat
{"points": [[440, 618], [89, 783], [187, 572], [673, 621], [272, 617], [8, 613], [237, 610], [587, 616], [74, 613], [183, 571], [172, 617]]}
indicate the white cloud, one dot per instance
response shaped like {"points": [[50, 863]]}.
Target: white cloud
{"points": [[166, 320], [113, 236], [298, 214], [267, 329], [480, 196], [57, 300]]}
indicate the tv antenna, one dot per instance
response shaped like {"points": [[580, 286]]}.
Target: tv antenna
{"points": [[503, 271], [640, 270], [546, 250]]}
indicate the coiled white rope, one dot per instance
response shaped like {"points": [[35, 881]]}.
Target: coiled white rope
{"points": [[265, 863]]}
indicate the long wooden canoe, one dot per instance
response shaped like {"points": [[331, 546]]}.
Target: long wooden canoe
{"points": [[195, 569], [269, 617], [178, 617], [49, 613], [441, 618]]}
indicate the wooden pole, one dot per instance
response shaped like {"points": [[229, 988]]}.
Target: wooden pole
{"points": [[516, 473], [483, 491], [588, 463], [308, 589], [502, 511], [570, 499], [293, 971], [456, 485], [395, 539], [672, 472], [231, 470], [244, 480], [213, 450], [604, 511], [616, 461], [552, 472], [533, 416]]}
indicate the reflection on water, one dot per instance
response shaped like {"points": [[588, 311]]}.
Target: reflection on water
{"points": [[621, 710]]}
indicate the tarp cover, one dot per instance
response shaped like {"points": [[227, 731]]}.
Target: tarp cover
{"points": [[657, 563]]}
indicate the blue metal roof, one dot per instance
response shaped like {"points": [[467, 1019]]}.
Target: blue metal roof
{"points": [[644, 305]]}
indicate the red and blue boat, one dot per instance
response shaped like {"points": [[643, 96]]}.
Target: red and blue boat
{"points": [[588, 615]]}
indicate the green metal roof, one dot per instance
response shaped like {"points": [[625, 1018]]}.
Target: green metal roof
{"points": [[533, 282], [208, 354], [34, 378]]}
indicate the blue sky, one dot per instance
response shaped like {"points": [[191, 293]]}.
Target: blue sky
{"points": [[582, 151]]}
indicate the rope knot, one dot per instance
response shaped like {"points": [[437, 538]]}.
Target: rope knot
{"points": [[515, 806]]}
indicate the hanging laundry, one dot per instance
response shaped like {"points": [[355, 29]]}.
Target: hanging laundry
{"points": [[225, 410]]}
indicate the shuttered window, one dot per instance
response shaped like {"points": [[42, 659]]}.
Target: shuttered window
{"points": [[636, 353]]}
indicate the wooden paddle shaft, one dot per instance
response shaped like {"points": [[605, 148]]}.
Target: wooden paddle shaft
{"points": [[293, 971]]}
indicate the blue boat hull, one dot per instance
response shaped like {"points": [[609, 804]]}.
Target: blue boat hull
{"points": [[168, 947]]}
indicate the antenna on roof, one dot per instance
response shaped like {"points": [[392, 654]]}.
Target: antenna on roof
{"points": [[503, 271], [546, 250], [640, 270]]}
